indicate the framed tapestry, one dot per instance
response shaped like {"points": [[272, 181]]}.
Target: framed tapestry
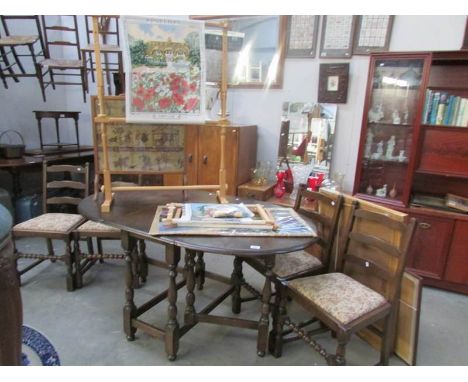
{"points": [[302, 36], [372, 34], [166, 66], [337, 36], [137, 148]]}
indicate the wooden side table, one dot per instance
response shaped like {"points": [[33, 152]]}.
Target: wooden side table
{"points": [[253, 191]]}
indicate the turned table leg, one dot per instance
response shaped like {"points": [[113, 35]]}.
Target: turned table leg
{"points": [[190, 297], [129, 311], [263, 324], [172, 326]]}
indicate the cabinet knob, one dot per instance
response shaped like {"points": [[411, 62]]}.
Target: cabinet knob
{"points": [[205, 159], [424, 225], [190, 158]]}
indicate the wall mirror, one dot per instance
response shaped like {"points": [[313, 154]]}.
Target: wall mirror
{"points": [[307, 133], [256, 50]]}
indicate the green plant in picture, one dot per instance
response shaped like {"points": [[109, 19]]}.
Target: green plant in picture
{"points": [[138, 53], [192, 40]]}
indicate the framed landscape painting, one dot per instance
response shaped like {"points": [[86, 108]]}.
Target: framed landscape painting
{"points": [[166, 70]]}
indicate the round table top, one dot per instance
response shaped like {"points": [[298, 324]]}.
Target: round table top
{"points": [[134, 211]]}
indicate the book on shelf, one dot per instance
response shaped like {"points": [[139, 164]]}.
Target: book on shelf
{"points": [[442, 108]]}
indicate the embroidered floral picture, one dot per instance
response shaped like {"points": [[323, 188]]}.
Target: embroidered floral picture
{"points": [[166, 66]]}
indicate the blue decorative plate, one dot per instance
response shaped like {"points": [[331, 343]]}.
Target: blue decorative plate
{"points": [[37, 349]]}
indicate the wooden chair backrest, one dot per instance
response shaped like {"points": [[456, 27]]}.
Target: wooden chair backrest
{"points": [[68, 31], [108, 28], [324, 210], [372, 259], [68, 172]]}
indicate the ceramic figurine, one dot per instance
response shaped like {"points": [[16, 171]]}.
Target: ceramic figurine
{"points": [[382, 192], [369, 141], [376, 113], [369, 189], [402, 157], [396, 117], [378, 154], [393, 192], [390, 148]]}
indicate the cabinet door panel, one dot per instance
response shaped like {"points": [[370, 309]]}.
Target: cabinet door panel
{"points": [[191, 154], [457, 267], [208, 155], [430, 246]]}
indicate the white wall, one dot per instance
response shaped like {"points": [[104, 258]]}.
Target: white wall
{"points": [[263, 108]]}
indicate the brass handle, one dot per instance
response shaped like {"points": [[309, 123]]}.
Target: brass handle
{"points": [[190, 158], [424, 225], [205, 159]]}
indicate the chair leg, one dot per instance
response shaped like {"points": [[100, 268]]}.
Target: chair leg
{"points": [[100, 250], [339, 358], [236, 280], [40, 78], [69, 263], [77, 261], [388, 339], [200, 270], [275, 342]]}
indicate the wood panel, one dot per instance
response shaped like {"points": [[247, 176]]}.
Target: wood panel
{"points": [[449, 75], [429, 249], [445, 151], [191, 154], [208, 156], [457, 265]]}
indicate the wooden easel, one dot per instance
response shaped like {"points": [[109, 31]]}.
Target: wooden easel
{"points": [[103, 120]]}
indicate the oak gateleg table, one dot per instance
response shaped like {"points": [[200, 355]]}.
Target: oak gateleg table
{"points": [[133, 212]]}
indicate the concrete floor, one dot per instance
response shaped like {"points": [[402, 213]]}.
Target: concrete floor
{"points": [[85, 326]]}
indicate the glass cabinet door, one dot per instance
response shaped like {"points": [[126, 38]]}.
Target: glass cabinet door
{"points": [[391, 117]]}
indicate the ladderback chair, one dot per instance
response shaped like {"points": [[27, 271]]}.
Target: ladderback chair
{"points": [[20, 46], [324, 211], [364, 289], [67, 188], [57, 65]]}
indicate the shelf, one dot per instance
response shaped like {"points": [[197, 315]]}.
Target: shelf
{"points": [[448, 88], [405, 125], [444, 127], [392, 162], [444, 174]]}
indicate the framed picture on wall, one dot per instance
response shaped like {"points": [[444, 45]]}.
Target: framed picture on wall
{"points": [[337, 36], [372, 34], [333, 83], [302, 36]]}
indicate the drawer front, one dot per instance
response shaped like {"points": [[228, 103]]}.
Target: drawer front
{"points": [[457, 265]]}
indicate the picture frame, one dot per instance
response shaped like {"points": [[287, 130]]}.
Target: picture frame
{"points": [[302, 35], [337, 36], [373, 33], [457, 202], [333, 83]]}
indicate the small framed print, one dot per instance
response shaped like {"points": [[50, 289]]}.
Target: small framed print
{"points": [[337, 36], [333, 83], [372, 34], [302, 36]]}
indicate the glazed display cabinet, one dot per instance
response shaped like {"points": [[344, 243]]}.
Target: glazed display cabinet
{"points": [[413, 155]]}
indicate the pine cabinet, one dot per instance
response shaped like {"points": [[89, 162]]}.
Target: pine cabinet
{"points": [[413, 153]]}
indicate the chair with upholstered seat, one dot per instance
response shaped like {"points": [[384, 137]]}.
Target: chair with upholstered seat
{"points": [[67, 188], [363, 291], [323, 210]]}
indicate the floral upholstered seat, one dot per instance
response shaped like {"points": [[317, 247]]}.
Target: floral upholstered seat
{"points": [[50, 222], [95, 228], [295, 262], [339, 295]]}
